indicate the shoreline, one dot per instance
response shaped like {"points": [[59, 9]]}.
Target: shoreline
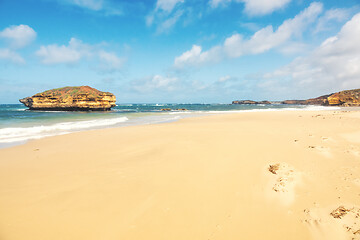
{"points": [[202, 177], [21, 135]]}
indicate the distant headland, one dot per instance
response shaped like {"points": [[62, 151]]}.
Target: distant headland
{"points": [[345, 98], [83, 98]]}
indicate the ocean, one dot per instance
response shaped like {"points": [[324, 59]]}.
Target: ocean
{"points": [[18, 125]]}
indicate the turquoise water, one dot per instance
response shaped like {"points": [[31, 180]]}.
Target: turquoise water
{"points": [[17, 124]]}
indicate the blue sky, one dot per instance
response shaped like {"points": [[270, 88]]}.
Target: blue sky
{"points": [[187, 51]]}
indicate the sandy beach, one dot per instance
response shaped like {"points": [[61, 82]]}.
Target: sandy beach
{"points": [[261, 175]]}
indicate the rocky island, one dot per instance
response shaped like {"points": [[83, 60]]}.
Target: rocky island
{"points": [[83, 98]]}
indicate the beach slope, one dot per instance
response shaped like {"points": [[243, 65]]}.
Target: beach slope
{"points": [[262, 175]]}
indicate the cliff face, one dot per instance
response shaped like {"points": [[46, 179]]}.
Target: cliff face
{"points": [[82, 98], [343, 98], [322, 100]]}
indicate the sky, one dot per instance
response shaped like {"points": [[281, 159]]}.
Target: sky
{"points": [[180, 51]]}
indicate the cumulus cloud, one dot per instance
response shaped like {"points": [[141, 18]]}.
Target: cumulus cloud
{"points": [[196, 57], [54, 54], [334, 65], [254, 7], [75, 51], [155, 83], [263, 40], [18, 36], [9, 55], [263, 7]]}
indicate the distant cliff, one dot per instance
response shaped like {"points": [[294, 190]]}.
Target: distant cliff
{"points": [[344, 98], [82, 98], [322, 100]]}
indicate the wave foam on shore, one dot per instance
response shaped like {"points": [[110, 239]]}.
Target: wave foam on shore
{"points": [[19, 134]]}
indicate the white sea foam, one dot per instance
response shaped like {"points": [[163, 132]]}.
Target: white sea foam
{"points": [[320, 108], [175, 113], [18, 134]]}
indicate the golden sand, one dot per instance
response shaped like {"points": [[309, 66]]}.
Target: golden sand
{"points": [[271, 175]]}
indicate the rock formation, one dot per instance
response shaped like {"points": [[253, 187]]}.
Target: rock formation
{"points": [[82, 98], [343, 98], [322, 100]]}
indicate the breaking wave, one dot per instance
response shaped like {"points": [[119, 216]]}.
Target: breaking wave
{"points": [[19, 134]]}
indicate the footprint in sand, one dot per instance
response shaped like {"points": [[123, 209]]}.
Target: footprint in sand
{"points": [[285, 176], [349, 218], [283, 182], [341, 223]]}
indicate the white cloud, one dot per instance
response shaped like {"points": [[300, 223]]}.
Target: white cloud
{"points": [[196, 57], [105, 7], [167, 5], [333, 66], [262, 40], [18, 36], [170, 22], [156, 82], [164, 15], [266, 38], [75, 51], [7, 54], [250, 26], [254, 7], [331, 16], [91, 4], [54, 54], [224, 78], [263, 7], [110, 61], [291, 48], [217, 3], [149, 20]]}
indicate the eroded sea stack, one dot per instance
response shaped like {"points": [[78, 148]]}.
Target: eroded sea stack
{"points": [[83, 98]]}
